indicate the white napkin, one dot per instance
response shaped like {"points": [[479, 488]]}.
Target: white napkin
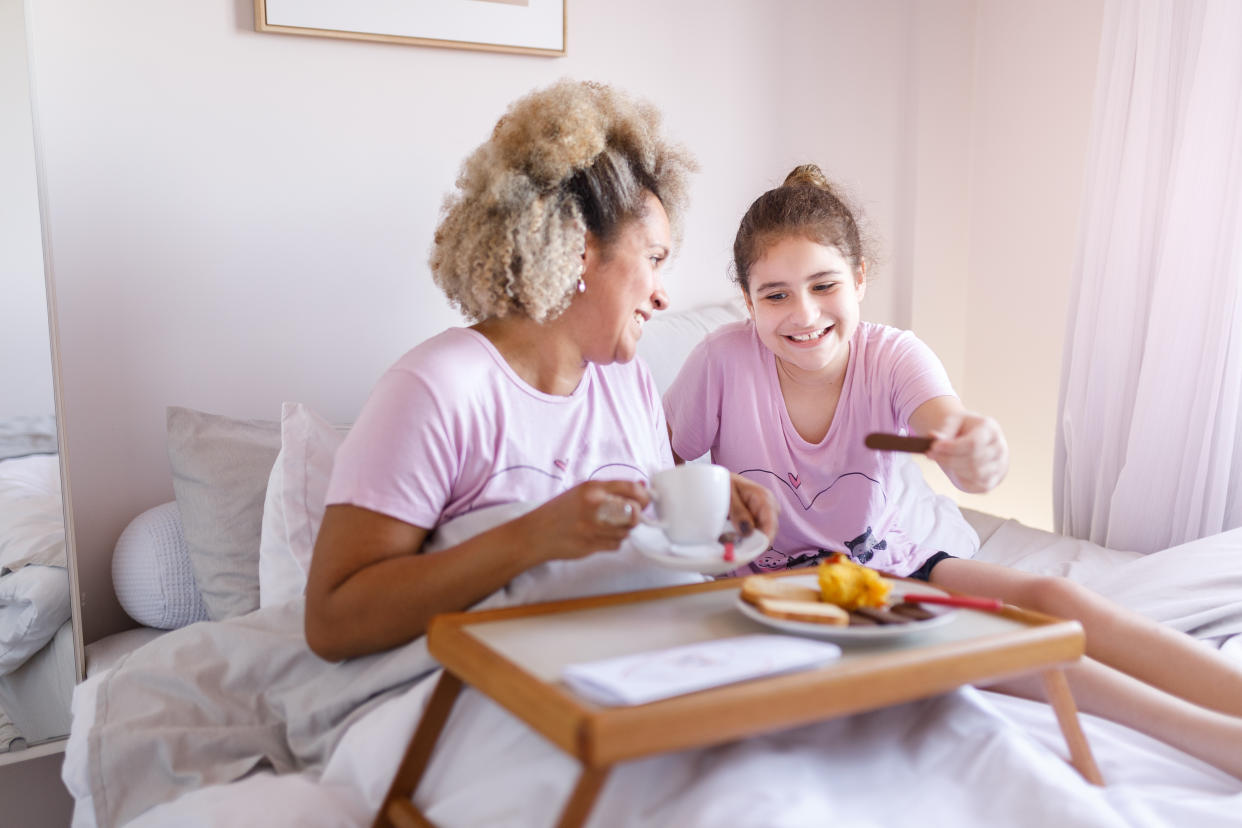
{"points": [[661, 674]]}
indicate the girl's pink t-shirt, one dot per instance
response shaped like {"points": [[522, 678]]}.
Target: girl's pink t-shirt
{"points": [[834, 495], [450, 429]]}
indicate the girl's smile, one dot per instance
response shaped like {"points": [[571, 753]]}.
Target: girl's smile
{"points": [[810, 338]]}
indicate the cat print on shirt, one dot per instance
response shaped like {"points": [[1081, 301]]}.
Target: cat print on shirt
{"points": [[774, 561], [864, 547]]}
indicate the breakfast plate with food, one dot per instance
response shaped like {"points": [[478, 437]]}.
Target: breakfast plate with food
{"points": [[845, 601], [717, 558]]}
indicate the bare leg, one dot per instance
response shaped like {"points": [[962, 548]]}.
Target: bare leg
{"points": [[1214, 737], [1125, 640]]}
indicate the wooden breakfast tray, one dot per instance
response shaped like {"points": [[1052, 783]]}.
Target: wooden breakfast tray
{"points": [[515, 656]]}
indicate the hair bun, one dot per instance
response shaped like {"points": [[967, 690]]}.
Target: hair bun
{"points": [[807, 174]]}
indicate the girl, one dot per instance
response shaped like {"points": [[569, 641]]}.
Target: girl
{"points": [[786, 399]]}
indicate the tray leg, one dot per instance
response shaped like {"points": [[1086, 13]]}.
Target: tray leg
{"points": [[397, 811], [1058, 692], [578, 808]]}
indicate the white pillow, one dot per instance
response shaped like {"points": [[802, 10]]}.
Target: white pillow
{"points": [[294, 506], [152, 574], [670, 337], [34, 602]]}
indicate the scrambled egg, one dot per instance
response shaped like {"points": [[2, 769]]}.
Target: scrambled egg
{"points": [[850, 585]]}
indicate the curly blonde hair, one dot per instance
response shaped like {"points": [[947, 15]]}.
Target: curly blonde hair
{"points": [[562, 160]]}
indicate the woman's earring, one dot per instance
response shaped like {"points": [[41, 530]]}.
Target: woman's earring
{"points": [[581, 285]]}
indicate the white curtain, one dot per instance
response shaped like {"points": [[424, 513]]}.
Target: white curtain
{"points": [[1148, 452]]}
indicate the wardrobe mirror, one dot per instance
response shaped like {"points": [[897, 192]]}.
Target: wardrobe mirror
{"points": [[39, 656]]}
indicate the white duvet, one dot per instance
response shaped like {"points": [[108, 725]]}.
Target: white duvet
{"points": [[34, 585], [969, 758], [32, 522]]}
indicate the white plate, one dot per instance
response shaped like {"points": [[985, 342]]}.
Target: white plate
{"points": [[940, 615], [707, 558]]}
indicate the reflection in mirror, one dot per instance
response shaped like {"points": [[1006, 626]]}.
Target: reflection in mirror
{"points": [[37, 669]]}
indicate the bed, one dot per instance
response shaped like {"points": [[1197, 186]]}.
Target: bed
{"points": [[36, 642], [263, 726]]}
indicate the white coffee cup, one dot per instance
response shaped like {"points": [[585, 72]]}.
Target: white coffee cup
{"points": [[691, 502]]}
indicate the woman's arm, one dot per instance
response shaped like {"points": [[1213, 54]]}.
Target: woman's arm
{"points": [[369, 589], [969, 447]]}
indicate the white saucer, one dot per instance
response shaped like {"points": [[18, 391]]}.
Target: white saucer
{"points": [[940, 616], [707, 558]]}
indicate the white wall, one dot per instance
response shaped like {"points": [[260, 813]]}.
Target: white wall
{"points": [[1021, 181], [935, 249], [240, 219], [25, 349]]}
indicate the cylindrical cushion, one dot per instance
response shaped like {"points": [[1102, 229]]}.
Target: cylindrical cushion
{"points": [[151, 571]]}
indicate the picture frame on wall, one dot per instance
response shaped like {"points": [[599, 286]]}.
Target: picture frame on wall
{"points": [[528, 27]]}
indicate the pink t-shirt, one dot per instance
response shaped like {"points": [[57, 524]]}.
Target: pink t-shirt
{"points": [[833, 495], [450, 428]]}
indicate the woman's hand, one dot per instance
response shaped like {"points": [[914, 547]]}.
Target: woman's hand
{"points": [[590, 517], [972, 451], [752, 507]]}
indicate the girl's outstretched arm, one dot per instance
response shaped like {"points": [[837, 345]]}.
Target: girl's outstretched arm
{"points": [[969, 447]]}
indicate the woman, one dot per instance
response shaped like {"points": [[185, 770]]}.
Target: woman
{"points": [[555, 242]]}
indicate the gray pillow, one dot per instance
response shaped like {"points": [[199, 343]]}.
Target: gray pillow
{"points": [[220, 468]]}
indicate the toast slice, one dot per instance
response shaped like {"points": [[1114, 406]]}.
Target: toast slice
{"points": [[757, 587], [812, 612]]}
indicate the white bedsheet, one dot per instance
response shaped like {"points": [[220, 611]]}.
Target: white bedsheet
{"points": [[969, 758]]}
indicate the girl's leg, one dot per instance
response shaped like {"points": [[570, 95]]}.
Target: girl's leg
{"points": [[1120, 638], [1214, 737]]}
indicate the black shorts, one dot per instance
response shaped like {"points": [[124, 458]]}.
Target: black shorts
{"points": [[923, 573]]}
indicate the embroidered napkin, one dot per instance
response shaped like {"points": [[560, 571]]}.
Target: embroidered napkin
{"points": [[661, 674]]}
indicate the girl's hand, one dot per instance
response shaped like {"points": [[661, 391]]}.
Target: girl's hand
{"points": [[590, 517], [972, 451], [752, 507]]}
